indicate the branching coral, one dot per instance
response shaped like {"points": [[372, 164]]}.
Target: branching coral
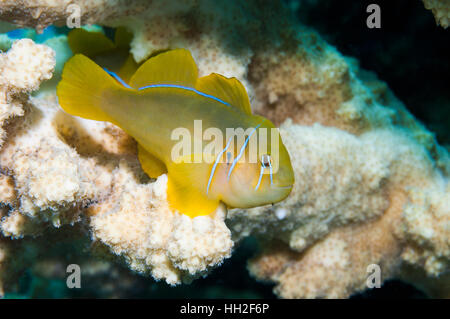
{"points": [[441, 11], [371, 182], [342, 217], [137, 224], [39, 14], [22, 69]]}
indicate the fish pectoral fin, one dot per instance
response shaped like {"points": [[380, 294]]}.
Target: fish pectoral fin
{"points": [[186, 188], [171, 67], [229, 90], [188, 200], [151, 165]]}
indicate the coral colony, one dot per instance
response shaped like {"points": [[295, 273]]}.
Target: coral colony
{"points": [[371, 183]]}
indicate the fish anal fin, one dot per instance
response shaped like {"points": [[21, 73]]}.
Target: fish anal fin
{"points": [[151, 165], [170, 67], [229, 90]]}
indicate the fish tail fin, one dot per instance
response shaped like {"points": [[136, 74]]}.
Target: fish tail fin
{"points": [[82, 86]]}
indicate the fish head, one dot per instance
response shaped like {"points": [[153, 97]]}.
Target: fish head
{"points": [[267, 179]]}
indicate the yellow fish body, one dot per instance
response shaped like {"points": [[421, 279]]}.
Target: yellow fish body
{"points": [[165, 96]]}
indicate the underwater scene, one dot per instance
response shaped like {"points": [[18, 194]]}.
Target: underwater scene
{"points": [[159, 149]]}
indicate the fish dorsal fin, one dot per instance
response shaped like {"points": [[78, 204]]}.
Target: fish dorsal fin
{"points": [[229, 90], [88, 43], [171, 67]]}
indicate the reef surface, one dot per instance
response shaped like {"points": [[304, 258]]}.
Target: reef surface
{"points": [[371, 181]]}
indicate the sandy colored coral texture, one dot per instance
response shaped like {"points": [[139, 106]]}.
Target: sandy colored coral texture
{"points": [[441, 11], [39, 14], [371, 182]]}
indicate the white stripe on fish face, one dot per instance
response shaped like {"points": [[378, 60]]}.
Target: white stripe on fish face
{"points": [[260, 177], [241, 152], [216, 162], [266, 161]]}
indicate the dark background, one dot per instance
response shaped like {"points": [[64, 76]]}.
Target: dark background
{"points": [[410, 52]]}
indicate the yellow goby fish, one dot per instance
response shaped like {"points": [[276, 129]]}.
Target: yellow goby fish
{"points": [[166, 94]]}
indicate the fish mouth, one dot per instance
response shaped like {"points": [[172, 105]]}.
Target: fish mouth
{"points": [[283, 187]]}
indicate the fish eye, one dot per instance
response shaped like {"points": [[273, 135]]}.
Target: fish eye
{"points": [[266, 161]]}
